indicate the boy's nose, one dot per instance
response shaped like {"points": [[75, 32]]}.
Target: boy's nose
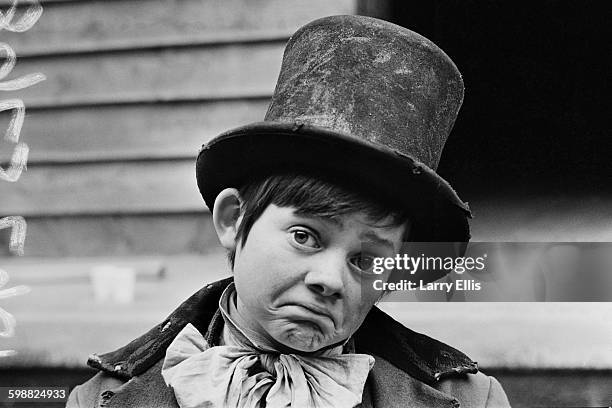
{"points": [[326, 276]]}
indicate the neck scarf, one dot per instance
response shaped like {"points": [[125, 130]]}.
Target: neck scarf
{"points": [[247, 371]]}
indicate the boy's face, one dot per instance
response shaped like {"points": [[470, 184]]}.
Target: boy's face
{"points": [[304, 280]]}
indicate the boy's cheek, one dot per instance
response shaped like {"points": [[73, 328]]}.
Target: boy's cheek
{"points": [[264, 278], [363, 297], [368, 287]]}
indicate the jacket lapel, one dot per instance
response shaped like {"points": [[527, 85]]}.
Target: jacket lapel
{"points": [[144, 391], [140, 354], [388, 386], [426, 359]]}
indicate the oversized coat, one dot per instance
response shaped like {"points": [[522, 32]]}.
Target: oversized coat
{"points": [[411, 369]]}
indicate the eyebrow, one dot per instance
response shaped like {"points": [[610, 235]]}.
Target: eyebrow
{"points": [[337, 221], [374, 237]]}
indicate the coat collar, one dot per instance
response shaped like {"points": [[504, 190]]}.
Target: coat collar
{"points": [[420, 356]]}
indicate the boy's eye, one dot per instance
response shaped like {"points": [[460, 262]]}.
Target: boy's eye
{"points": [[304, 238], [364, 263]]}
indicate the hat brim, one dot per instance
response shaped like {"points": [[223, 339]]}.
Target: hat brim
{"points": [[262, 148]]}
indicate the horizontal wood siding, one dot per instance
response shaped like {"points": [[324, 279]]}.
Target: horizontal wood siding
{"points": [[91, 26], [133, 89], [116, 235], [209, 72], [108, 133], [104, 188]]}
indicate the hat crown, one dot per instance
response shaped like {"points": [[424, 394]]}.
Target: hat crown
{"points": [[371, 80]]}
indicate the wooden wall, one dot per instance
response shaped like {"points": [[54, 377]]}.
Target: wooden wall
{"points": [[133, 89]]}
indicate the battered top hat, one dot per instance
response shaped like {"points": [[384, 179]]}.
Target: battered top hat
{"points": [[361, 100]]}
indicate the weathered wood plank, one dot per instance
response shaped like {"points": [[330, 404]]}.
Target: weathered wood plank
{"points": [[155, 75], [116, 235], [167, 130], [103, 188], [37, 271], [77, 26]]}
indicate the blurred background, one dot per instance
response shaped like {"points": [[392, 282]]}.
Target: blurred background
{"points": [[135, 87]]}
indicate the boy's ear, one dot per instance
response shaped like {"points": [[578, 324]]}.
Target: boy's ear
{"points": [[226, 217]]}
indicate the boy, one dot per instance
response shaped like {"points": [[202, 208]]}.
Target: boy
{"points": [[345, 157]]}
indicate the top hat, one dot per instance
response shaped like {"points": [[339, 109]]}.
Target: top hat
{"points": [[365, 102]]}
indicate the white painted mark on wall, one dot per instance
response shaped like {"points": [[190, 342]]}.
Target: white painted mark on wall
{"points": [[19, 157], [18, 227], [10, 59], [29, 17], [8, 321]]}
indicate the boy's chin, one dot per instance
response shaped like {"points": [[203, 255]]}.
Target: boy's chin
{"points": [[303, 338]]}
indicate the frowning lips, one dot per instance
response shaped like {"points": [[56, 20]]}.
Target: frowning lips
{"points": [[315, 310]]}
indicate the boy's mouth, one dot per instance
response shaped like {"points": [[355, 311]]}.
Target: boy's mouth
{"points": [[316, 312]]}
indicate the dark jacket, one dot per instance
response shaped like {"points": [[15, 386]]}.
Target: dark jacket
{"points": [[411, 370]]}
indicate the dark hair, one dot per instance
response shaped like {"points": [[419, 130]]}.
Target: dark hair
{"points": [[309, 196]]}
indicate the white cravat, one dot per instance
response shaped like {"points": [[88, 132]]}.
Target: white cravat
{"points": [[242, 374]]}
